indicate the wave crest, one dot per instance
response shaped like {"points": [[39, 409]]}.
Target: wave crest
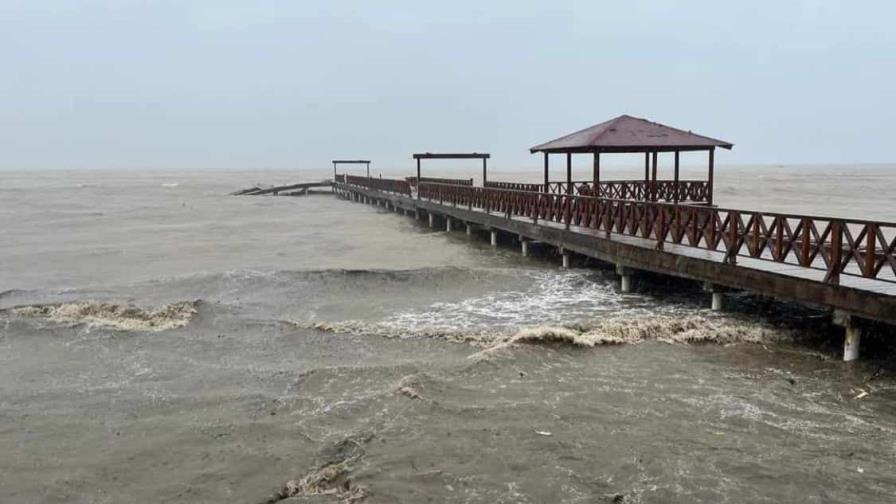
{"points": [[631, 329], [116, 316]]}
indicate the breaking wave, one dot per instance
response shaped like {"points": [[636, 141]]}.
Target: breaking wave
{"points": [[694, 328], [115, 316]]}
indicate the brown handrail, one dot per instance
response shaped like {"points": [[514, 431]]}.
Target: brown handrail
{"points": [[836, 246], [386, 185]]}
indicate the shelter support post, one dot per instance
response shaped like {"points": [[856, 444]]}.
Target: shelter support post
{"points": [[646, 176], [653, 194], [712, 155], [547, 183], [675, 194], [484, 171], [568, 173], [596, 173]]}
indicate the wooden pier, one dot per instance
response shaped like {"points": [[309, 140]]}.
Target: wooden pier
{"points": [[668, 227]]}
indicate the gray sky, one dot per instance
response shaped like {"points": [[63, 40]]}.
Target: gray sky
{"points": [[284, 84]]}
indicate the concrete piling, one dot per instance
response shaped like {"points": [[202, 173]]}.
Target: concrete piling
{"points": [[625, 275], [852, 337], [432, 220], [469, 229], [525, 248], [448, 225], [494, 238]]}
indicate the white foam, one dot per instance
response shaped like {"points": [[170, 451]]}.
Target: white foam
{"points": [[117, 316]]}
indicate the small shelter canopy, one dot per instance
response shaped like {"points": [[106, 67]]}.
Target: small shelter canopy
{"points": [[468, 155], [351, 161], [630, 134]]}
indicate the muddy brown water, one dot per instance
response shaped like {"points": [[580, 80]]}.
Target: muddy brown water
{"points": [[310, 338]]}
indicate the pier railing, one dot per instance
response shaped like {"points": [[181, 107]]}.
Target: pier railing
{"points": [[514, 186], [464, 182], [835, 246], [380, 184]]}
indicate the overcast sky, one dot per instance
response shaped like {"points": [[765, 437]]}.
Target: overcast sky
{"points": [[293, 84]]}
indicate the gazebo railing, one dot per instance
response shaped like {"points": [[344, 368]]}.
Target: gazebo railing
{"points": [[835, 246], [690, 191]]}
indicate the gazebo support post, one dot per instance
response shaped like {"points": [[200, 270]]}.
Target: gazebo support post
{"points": [[675, 193], [568, 173], [484, 170], [547, 183], [653, 185], [646, 176], [418, 178], [597, 173], [712, 155]]}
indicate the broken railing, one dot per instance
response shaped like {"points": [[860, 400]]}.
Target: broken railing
{"points": [[835, 246]]}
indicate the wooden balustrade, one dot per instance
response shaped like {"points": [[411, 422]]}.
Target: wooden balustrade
{"points": [[466, 182], [688, 191], [386, 185], [836, 246]]}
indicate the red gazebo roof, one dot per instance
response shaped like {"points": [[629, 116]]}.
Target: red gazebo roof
{"points": [[631, 134]]}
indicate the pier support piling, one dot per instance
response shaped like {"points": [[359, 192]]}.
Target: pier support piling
{"points": [[565, 260], [851, 343], [469, 229], [494, 238], [716, 301], [853, 336], [625, 276], [448, 225], [524, 248], [717, 296], [432, 220]]}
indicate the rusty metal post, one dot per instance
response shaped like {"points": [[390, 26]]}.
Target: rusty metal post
{"points": [[712, 155]]}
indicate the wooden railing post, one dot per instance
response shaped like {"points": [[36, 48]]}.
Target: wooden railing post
{"points": [[731, 253], [836, 255], [870, 250]]}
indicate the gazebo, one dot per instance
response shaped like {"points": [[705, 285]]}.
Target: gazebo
{"points": [[627, 134]]}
